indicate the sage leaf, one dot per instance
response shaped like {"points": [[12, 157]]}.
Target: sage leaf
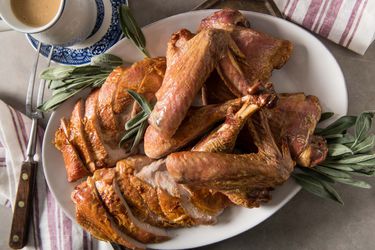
{"points": [[338, 149], [333, 192], [79, 84], [341, 167], [346, 139], [140, 100], [106, 60], [368, 163], [355, 159], [131, 29], [364, 172], [55, 84], [86, 70], [139, 135], [332, 172], [136, 120], [351, 182], [58, 91], [334, 136], [57, 73], [128, 135], [313, 185], [314, 173], [56, 100], [357, 167], [365, 146], [137, 124], [363, 126], [325, 116], [339, 126]]}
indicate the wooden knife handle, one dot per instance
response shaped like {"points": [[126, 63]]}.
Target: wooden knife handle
{"points": [[23, 206]]}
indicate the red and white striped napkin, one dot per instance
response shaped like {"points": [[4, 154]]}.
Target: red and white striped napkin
{"points": [[350, 23], [50, 228]]}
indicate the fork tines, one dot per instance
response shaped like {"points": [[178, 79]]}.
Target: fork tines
{"points": [[31, 110]]}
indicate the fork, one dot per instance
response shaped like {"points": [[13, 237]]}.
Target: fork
{"points": [[25, 192]]}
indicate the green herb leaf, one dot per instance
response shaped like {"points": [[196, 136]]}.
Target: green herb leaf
{"points": [[55, 84], [57, 99], [131, 29], [345, 139], [355, 159], [106, 60], [342, 167], [57, 73], [139, 135], [141, 101], [136, 120], [325, 116], [368, 163], [357, 167], [58, 91], [315, 186], [128, 135], [138, 124], [355, 183], [320, 176], [365, 146], [332, 172], [334, 136], [338, 149], [79, 84], [332, 192], [364, 172], [339, 126], [86, 70], [363, 126]]}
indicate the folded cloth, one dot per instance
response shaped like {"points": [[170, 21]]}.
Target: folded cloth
{"points": [[50, 228], [350, 23]]}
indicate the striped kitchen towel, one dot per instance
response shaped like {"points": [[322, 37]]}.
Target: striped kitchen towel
{"points": [[350, 23], [50, 228]]}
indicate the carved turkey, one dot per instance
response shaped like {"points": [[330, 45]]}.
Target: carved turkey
{"points": [[89, 140], [233, 149]]}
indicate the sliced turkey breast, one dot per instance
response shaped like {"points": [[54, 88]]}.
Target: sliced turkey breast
{"points": [[75, 168], [78, 135], [132, 196], [93, 216], [104, 179], [104, 154]]}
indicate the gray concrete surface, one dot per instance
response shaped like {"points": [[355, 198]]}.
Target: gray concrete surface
{"points": [[306, 222]]}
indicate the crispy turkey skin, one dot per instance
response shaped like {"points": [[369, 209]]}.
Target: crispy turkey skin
{"points": [[234, 149]]}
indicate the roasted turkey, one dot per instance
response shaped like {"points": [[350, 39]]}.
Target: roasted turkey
{"points": [[234, 147], [89, 140]]}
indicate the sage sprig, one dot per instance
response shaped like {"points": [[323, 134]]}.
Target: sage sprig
{"points": [[131, 29], [348, 155], [67, 81], [136, 127]]}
